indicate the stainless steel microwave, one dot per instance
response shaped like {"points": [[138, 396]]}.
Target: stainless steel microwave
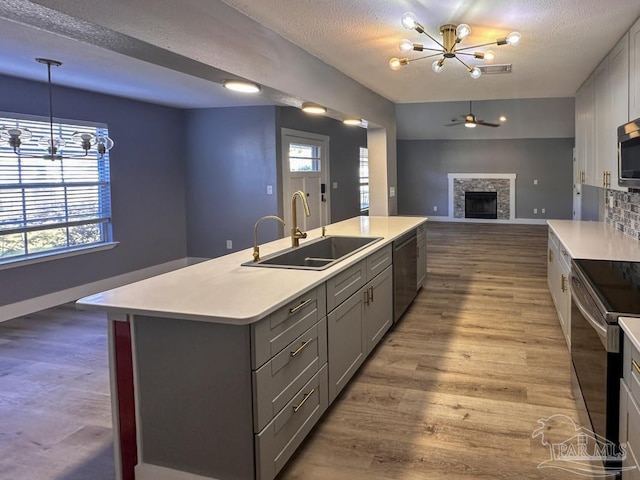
{"points": [[629, 154]]}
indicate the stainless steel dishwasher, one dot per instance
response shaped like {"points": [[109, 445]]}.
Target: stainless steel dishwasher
{"points": [[405, 257]]}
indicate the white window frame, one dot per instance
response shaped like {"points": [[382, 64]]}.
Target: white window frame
{"points": [[363, 181], [79, 188]]}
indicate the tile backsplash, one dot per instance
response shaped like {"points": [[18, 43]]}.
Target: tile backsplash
{"points": [[623, 211]]}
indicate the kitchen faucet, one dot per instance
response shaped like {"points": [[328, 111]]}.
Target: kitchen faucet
{"points": [[256, 248], [296, 234]]}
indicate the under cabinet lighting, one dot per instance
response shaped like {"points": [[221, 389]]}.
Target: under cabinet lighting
{"points": [[352, 121], [313, 108]]}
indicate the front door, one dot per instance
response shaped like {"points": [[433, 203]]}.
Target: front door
{"points": [[305, 166]]}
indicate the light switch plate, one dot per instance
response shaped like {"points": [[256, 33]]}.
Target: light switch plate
{"points": [[269, 189], [392, 191]]}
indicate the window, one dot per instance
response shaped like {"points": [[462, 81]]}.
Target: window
{"points": [[52, 206], [304, 158], [364, 180]]}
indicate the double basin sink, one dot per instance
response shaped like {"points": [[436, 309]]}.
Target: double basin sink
{"points": [[316, 254]]}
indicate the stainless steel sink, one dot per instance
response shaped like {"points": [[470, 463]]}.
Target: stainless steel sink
{"points": [[317, 254]]}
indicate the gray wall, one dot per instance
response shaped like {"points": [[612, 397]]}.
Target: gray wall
{"points": [[592, 206], [344, 157], [147, 187], [423, 166], [231, 158]]}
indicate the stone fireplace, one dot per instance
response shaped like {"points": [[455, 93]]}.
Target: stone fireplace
{"points": [[500, 185]]}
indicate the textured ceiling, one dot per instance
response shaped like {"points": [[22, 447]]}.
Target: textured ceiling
{"points": [[562, 42]]}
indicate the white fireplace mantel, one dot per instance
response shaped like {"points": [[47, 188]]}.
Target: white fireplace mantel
{"points": [[469, 176]]}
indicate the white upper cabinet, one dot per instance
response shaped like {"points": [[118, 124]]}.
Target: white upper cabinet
{"points": [[634, 71], [585, 123], [602, 105]]}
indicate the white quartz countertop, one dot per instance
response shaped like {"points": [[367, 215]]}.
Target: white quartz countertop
{"points": [[595, 240], [222, 290], [631, 327]]}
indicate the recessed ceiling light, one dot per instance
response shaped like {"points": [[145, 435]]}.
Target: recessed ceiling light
{"points": [[352, 121], [313, 108], [503, 118], [241, 86]]}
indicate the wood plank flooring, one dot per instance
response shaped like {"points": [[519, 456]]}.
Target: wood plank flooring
{"points": [[454, 391], [55, 410]]}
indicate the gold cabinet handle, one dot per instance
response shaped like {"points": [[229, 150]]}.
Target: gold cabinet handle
{"points": [[604, 179], [563, 283], [582, 176], [301, 347], [371, 288], [635, 365], [608, 179], [304, 399], [303, 304], [550, 255]]}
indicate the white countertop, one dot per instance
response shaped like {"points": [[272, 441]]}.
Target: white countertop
{"points": [[631, 327], [595, 240], [221, 290]]}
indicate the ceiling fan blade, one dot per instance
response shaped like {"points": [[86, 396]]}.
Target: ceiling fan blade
{"points": [[486, 124], [451, 124]]}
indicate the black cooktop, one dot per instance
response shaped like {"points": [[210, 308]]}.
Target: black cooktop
{"points": [[616, 283]]}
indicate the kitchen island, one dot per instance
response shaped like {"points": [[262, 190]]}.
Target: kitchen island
{"points": [[220, 370]]}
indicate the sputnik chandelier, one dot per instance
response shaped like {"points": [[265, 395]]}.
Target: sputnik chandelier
{"points": [[452, 35]]}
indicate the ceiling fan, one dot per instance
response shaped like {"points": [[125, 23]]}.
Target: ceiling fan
{"points": [[471, 121]]}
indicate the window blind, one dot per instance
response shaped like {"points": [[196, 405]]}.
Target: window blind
{"points": [[47, 205]]}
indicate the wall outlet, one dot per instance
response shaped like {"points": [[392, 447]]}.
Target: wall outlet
{"points": [[535, 210], [435, 208], [535, 182], [229, 244], [543, 210], [269, 189], [392, 191], [335, 185]]}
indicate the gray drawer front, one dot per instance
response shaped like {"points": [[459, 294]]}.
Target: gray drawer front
{"points": [[631, 367], [277, 442], [421, 232], [277, 381], [378, 261], [345, 284], [270, 335]]}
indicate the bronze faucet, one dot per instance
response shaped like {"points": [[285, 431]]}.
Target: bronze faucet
{"points": [[256, 249], [296, 234]]}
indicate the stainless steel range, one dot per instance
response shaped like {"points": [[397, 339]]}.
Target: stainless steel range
{"points": [[601, 292]]}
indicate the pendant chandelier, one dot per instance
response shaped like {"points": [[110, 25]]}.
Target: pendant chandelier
{"points": [[452, 35], [88, 141]]}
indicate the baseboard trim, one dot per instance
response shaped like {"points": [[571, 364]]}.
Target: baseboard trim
{"points": [[25, 307], [526, 221], [147, 471]]}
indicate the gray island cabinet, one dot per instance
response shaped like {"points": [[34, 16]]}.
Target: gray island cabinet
{"points": [[219, 371]]}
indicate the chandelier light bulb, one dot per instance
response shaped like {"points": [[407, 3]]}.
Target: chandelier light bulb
{"points": [[438, 65], [405, 46], [462, 31], [489, 55], [409, 20], [398, 63], [475, 74], [513, 38]]}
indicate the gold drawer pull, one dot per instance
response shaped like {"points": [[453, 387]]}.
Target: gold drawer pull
{"points": [[635, 365], [306, 397], [303, 304], [301, 347], [563, 283]]}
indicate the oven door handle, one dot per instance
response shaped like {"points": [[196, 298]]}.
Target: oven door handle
{"points": [[601, 330]]}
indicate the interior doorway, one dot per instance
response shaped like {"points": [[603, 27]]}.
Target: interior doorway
{"points": [[305, 166]]}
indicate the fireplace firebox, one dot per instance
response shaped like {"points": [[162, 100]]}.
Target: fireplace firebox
{"points": [[481, 205]]}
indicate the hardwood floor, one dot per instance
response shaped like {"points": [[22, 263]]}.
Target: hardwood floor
{"points": [[455, 390], [55, 411]]}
